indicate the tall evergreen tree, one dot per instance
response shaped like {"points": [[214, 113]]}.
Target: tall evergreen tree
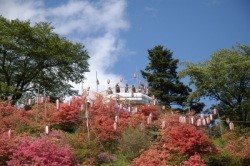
{"points": [[162, 77]]}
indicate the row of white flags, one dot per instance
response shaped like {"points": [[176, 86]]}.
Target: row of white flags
{"points": [[202, 121], [182, 119]]}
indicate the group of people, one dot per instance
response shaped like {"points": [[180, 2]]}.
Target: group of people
{"points": [[126, 90]]}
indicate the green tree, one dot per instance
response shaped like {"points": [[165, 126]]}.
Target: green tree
{"points": [[162, 77], [226, 79], [33, 57]]}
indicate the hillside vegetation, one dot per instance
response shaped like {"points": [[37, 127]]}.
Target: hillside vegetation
{"points": [[107, 134]]}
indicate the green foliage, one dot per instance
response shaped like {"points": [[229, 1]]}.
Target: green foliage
{"points": [[224, 78], [121, 161], [162, 77], [223, 159], [234, 149], [82, 147], [35, 57], [105, 157], [32, 129], [214, 131], [242, 131], [220, 143], [27, 107], [177, 159], [132, 142]]}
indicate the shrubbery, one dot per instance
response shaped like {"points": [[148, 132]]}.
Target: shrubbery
{"points": [[134, 141], [40, 152], [194, 160]]}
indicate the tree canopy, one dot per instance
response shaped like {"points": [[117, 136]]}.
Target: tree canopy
{"points": [[162, 77], [35, 56], [226, 79]]}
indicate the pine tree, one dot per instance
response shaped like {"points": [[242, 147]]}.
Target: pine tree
{"points": [[162, 77]]}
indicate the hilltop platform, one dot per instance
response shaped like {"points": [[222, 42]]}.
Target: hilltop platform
{"points": [[132, 98]]}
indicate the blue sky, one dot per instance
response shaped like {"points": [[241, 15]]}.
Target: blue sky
{"points": [[118, 33], [193, 30]]}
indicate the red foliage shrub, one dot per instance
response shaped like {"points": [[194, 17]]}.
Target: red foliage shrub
{"points": [[194, 160], [11, 118], [40, 152], [146, 110], [136, 119], [151, 157], [187, 140], [103, 117], [102, 121], [7, 146], [77, 101], [102, 127], [6, 109], [238, 146], [6, 112], [68, 117], [171, 119]]}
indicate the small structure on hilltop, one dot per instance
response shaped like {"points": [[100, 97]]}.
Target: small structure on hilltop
{"points": [[123, 95], [132, 98], [128, 95]]}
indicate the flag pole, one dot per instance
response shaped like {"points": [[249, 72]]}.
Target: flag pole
{"points": [[137, 77], [97, 82]]}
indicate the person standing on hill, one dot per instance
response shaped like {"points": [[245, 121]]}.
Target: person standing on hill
{"points": [[133, 89], [126, 88], [117, 88]]}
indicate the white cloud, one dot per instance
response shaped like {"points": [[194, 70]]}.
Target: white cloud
{"points": [[96, 24], [86, 17], [23, 10], [105, 49]]}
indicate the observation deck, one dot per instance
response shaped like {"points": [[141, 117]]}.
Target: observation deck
{"points": [[138, 97]]}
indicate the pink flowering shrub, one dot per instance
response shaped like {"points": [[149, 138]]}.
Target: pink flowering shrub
{"points": [[151, 157], [7, 146], [146, 110], [194, 160], [67, 118], [40, 152], [186, 139], [103, 118]]}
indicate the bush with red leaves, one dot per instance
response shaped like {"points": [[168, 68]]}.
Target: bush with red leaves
{"points": [[7, 146], [146, 110], [187, 139], [135, 120], [6, 113], [237, 145], [177, 141], [67, 118], [102, 118], [151, 157], [194, 160], [14, 119], [40, 152]]}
